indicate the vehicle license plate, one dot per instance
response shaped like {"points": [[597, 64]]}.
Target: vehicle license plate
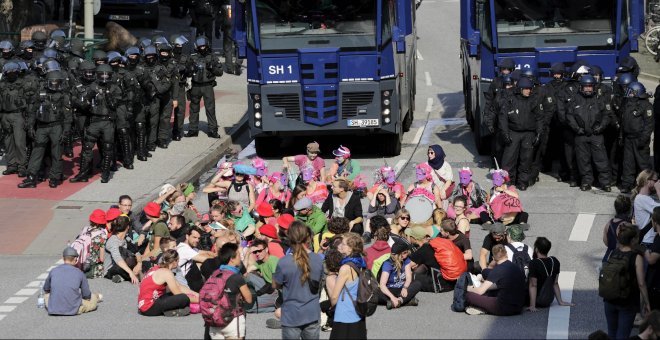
{"points": [[362, 122], [120, 17]]}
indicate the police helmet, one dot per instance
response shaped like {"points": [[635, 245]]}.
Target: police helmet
{"points": [[636, 89], [525, 83], [104, 73], [597, 72], [585, 81], [627, 64], [11, 71], [579, 70], [113, 57], [51, 65], [201, 44], [55, 80], [159, 40], [178, 39], [38, 65], [39, 38], [507, 63], [507, 80], [7, 49], [123, 61], [99, 57], [23, 65], [87, 69], [144, 42], [625, 79], [50, 53], [26, 49], [57, 33], [515, 75], [150, 51], [133, 55], [56, 43], [528, 73], [557, 68], [77, 47]]}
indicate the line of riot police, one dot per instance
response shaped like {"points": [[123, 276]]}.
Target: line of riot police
{"points": [[599, 133], [122, 103]]}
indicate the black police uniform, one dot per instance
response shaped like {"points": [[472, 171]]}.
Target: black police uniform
{"points": [[587, 116], [124, 113], [637, 125], [166, 100], [133, 74], [180, 61], [491, 115], [656, 140], [13, 105], [491, 119], [568, 171], [521, 121], [205, 68], [156, 86], [555, 150], [548, 109], [203, 14], [50, 122]]}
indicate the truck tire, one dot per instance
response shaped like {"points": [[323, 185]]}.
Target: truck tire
{"points": [[393, 144], [480, 140], [266, 146]]}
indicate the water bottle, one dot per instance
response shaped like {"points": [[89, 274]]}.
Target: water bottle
{"points": [[40, 300]]}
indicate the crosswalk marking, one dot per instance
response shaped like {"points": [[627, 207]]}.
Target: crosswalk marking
{"points": [[7, 309], [34, 284], [17, 299], [559, 316], [427, 76], [582, 227], [27, 291]]}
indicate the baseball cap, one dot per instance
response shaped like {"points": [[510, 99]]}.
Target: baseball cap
{"points": [[152, 209], [303, 203], [285, 220], [418, 233], [98, 216], [399, 247], [268, 230], [265, 210], [70, 251], [165, 188], [313, 147], [497, 228]]}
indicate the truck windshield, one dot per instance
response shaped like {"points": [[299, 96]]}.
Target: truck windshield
{"points": [[568, 20], [316, 23]]}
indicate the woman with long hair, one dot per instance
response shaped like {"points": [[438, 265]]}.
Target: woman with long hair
{"points": [[344, 203], [397, 287], [347, 323], [298, 274], [643, 204], [400, 222], [298, 193]]}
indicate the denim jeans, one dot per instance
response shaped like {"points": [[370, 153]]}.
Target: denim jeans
{"points": [[619, 320], [308, 331]]}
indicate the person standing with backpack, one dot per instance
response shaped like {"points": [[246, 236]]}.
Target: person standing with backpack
{"points": [[518, 252], [298, 275], [348, 324], [544, 277], [621, 282]]}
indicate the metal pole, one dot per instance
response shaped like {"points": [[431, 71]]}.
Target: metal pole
{"points": [[89, 19], [70, 18]]}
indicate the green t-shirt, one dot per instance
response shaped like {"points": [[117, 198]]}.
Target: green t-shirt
{"points": [[267, 268], [159, 229], [241, 223]]}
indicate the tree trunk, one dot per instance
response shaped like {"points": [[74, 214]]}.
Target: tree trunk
{"points": [[14, 15]]}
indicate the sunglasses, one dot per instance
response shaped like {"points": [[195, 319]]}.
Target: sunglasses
{"points": [[258, 251], [407, 218]]}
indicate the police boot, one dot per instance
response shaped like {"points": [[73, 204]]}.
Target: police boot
{"points": [[29, 182], [85, 164], [141, 138], [126, 147], [68, 146], [106, 162]]}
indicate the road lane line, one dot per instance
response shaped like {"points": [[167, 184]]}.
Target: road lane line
{"points": [[399, 165], [2, 316], [429, 105], [17, 299], [582, 226], [559, 316], [50, 268], [418, 135], [419, 55], [428, 78], [60, 261], [27, 291], [7, 309], [34, 284], [43, 276]]}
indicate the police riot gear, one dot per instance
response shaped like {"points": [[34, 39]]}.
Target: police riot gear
{"points": [[50, 66], [55, 80], [13, 102], [39, 39], [100, 57], [104, 73], [587, 83], [27, 49], [7, 49], [205, 68], [637, 125]]}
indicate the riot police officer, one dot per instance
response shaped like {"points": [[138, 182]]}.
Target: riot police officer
{"points": [[203, 14], [588, 117], [156, 86], [180, 61], [99, 57], [491, 118], [521, 123], [553, 88], [205, 68], [506, 66], [12, 106], [26, 50], [637, 125], [6, 52], [133, 73], [39, 40], [51, 122], [81, 102], [123, 122], [168, 98]]}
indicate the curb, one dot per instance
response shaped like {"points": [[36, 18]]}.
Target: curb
{"points": [[649, 76], [197, 166]]}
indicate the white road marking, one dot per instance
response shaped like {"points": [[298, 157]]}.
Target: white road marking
{"points": [[34, 284], [453, 121], [582, 226], [51, 268], [7, 309], [399, 165], [60, 261], [428, 78], [17, 299], [559, 316], [2, 316], [419, 55], [429, 104], [418, 135], [27, 291], [43, 276]]}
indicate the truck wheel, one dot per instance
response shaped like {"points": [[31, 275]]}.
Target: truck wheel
{"points": [[393, 145], [480, 141], [266, 146]]}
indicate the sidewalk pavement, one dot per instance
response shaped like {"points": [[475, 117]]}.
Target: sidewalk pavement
{"points": [[649, 68], [41, 221]]}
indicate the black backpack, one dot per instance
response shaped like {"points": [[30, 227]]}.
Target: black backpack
{"points": [[367, 293], [546, 294], [615, 280], [521, 258]]}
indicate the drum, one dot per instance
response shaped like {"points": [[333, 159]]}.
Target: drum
{"points": [[420, 205]]}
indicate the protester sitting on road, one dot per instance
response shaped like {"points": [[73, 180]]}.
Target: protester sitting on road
{"points": [[344, 203], [237, 292], [311, 158], [386, 179], [165, 195], [424, 185], [67, 290], [622, 206], [260, 266], [298, 275], [268, 233], [541, 269], [152, 298], [311, 215], [276, 190], [190, 258], [347, 323], [652, 255], [475, 197], [380, 247], [165, 243], [239, 189], [110, 216], [507, 283], [191, 212], [125, 204], [93, 236], [297, 194], [158, 228], [460, 209], [116, 265], [442, 174], [423, 263], [382, 204], [219, 217], [515, 235], [223, 236], [316, 190], [650, 327], [497, 235], [336, 226], [343, 166], [400, 222], [225, 173], [644, 203], [243, 222], [449, 231], [437, 216], [260, 181], [397, 287], [504, 200], [178, 228], [263, 214], [620, 313]]}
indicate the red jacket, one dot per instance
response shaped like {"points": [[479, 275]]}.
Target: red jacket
{"points": [[378, 249]]}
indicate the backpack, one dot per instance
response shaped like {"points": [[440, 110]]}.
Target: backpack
{"points": [[450, 258], [615, 281], [546, 294], [460, 290], [82, 245], [216, 308], [367, 293], [521, 258]]}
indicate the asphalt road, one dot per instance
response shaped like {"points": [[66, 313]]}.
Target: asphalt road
{"points": [[554, 209]]}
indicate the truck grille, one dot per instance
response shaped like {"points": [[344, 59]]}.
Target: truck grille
{"points": [[352, 100], [289, 102], [320, 105], [325, 72]]}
